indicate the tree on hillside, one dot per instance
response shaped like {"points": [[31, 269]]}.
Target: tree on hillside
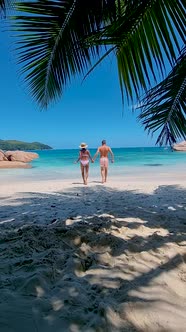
{"points": [[58, 40]]}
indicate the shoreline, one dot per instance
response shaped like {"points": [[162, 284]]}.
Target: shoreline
{"points": [[142, 178]]}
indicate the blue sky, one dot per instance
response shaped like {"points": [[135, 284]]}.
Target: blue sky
{"points": [[88, 111]]}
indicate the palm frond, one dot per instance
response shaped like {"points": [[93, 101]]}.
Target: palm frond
{"points": [[4, 6], [60, 39], [145, 36], [164, 106], [51, 42]]}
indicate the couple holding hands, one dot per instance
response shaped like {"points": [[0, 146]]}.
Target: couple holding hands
{"points": [[85, 157]]}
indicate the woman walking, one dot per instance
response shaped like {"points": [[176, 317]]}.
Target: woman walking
{"points": [[84, 158]]}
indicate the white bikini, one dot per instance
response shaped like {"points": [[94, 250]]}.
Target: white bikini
{"points": [[84, 162]]}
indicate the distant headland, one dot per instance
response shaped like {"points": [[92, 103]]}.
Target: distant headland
{"points": [[23, 146]]}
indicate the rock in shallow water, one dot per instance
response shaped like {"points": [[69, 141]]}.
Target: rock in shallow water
{"points": [[180, 146]]}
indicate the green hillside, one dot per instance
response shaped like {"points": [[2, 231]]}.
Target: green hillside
{"points": [[19, 145]]}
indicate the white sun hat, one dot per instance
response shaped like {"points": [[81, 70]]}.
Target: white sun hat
{"points": [[83, 145]]}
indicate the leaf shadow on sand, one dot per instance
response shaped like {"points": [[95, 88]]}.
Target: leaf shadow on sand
{"points": [[93, 259]]}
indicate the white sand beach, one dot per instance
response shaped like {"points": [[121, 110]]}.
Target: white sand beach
{"points": [[93, 258]]}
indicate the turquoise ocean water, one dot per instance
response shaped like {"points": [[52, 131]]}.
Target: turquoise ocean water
{"points": [[59, 164]]}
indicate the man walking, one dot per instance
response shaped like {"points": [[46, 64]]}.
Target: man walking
{"points": [[104, 150]]}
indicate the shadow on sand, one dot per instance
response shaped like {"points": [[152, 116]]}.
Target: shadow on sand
{"points": [[91, 259]]}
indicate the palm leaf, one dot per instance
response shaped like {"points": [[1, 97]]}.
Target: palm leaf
{"points": [[51, 42], [4, 6], [164, 107], [145, 36], [60, 39]]}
